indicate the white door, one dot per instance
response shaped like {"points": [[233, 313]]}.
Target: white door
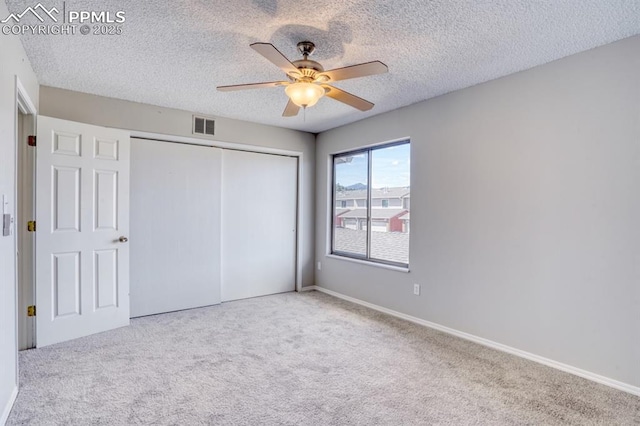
{"points": [[259, 204], [175, 226], [82, 217]]}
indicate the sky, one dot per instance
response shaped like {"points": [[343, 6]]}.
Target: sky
{"points": [[390, 168]]}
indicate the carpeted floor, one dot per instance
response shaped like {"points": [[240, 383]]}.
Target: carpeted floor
{"points": [[298, 359]]}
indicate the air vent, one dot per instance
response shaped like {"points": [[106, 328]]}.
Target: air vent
{"points": [[203, 126]]}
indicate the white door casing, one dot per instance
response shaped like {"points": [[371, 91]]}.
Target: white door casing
{"points": [[82, 211], [259, 220]]}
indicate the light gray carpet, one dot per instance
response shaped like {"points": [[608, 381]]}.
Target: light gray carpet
{"points": [[298, 359]]}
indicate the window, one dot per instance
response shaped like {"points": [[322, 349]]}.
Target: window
{"points": [[376, 226]]}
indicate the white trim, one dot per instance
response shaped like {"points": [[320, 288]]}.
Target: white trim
{"points": [[7, 409], [23, 100], [218, 144], [625, 387], [369, 263], [328, 233], [299, 222], [24, 105]]}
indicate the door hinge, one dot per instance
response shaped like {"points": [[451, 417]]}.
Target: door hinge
{"points": [[31, 311], [31, 226], [31, 140]]}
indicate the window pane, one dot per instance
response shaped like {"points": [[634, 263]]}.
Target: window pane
{"points": [[350, 203], [390, 196]]}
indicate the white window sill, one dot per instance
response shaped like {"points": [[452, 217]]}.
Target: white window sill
{"points": [[370, 263]]}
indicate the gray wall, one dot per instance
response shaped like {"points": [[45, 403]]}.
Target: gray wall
{"points": [[121, 114], [13, 62], [525, 211]]}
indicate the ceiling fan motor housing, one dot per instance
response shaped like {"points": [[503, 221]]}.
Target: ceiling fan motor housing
{"points": [[308, 68]]}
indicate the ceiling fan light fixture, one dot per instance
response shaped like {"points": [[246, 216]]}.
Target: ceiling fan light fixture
{"points": [[304, 94]]}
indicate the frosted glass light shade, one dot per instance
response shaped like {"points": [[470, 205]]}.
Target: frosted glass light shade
{"points": [[304, 94]]}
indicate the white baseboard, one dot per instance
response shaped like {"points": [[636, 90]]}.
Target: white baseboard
{"points": [[7, 409], [307, 288], [634, 390]]}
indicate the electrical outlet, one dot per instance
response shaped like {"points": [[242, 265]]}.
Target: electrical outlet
{"points": [[319, 266], [416, 289]]}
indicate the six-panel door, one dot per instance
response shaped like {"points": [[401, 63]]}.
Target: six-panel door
{"points": [[82, 216]]}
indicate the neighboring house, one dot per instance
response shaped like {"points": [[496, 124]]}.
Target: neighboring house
{"points": [[387, 205], [382, 220], [380, 197], [405, 222], [338, 219]]}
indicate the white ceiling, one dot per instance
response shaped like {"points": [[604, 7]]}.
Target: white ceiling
{"points": [[174, 53]]}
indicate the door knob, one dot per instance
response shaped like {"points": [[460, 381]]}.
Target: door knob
{"points": [[123, 239]]}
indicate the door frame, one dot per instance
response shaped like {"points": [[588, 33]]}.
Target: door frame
{"points": [[250, 148], [23, 105]]}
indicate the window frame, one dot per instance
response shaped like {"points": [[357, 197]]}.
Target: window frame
{"points": [[355, 256]]}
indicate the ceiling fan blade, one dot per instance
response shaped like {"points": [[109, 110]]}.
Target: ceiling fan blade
{"points": [[347, 98], [291, 110], [354, 71], [270, 52], [252, 86]]}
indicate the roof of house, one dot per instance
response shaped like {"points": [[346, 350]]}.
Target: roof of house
{"points": [[375, 213], [392, 246], [397, 192], [405, 216]]}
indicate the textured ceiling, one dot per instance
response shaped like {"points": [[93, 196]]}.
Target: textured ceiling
{"points": [[174, 53]]}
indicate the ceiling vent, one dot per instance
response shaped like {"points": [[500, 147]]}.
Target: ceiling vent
{"points": [[203, 126]]}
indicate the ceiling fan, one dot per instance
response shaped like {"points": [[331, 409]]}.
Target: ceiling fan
{"points": [[308, 81]]}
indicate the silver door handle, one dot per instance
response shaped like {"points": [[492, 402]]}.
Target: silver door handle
{"points": [[123, 239]]}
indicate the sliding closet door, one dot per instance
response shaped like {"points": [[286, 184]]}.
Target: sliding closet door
{"points": [[175, 226], [259, 198]]}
